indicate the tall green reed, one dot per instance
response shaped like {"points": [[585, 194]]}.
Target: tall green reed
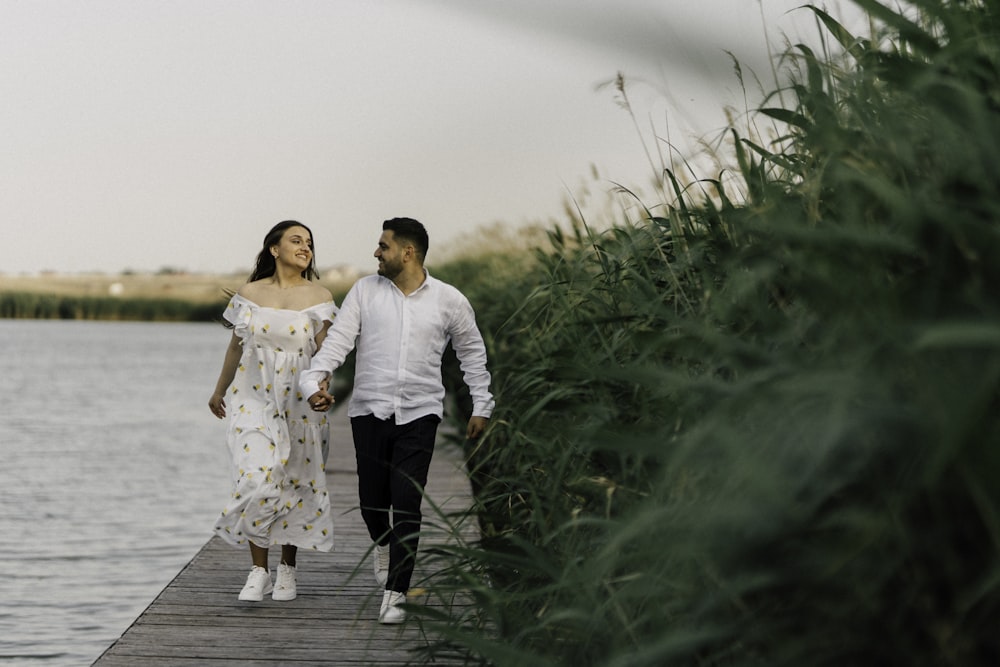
{"points": [[759, 424]]}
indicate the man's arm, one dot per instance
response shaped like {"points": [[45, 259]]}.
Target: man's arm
{"points": [[337, 344], [471, 352]]}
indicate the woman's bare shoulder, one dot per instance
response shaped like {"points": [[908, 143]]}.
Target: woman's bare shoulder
{"points": [[319, 294], [251, 289]]}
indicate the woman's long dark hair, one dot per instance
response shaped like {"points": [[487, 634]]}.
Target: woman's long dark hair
{"points": [[264, 267]]}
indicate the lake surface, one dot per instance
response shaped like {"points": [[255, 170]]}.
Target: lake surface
{"points": [[113, 473]]}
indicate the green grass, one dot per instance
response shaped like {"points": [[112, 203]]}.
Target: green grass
{"points": [[761, 423]]}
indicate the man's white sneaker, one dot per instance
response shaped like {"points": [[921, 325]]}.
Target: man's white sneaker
{"points": [[391, 613], [284, 583], [381, 559], [258, 585]]}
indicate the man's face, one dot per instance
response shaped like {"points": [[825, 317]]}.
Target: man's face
{"points": [[389, 255]]}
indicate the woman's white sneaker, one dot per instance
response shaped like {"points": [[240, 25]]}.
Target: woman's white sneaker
{"points": [[258, 585], [284, 583]]}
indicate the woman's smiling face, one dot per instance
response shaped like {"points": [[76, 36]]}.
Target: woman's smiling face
{"points": [[295, 248]]}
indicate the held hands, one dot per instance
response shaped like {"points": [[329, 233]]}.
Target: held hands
{"points": [[321, 400]]}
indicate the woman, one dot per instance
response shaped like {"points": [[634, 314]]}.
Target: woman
{"points": [[277, 443]]}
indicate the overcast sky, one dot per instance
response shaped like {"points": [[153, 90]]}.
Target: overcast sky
{"points": [[142, 134]]}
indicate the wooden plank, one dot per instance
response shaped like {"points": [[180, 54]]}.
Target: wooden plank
{"points": [[197, 620]]}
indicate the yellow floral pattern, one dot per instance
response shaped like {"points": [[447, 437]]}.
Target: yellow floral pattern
{"points": [[277, 443]]}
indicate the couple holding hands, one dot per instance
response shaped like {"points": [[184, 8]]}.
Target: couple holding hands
{"points": [[288, 337]]}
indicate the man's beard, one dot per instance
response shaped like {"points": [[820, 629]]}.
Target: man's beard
{"points": [[390, 270]]}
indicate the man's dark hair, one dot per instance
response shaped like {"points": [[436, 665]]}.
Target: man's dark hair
{"points": [[408, 229]]}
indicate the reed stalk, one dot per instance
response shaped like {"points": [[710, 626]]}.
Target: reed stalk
{"points": [[759, 425]]}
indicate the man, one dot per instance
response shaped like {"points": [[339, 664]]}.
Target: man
{"points": [[401, 321]]}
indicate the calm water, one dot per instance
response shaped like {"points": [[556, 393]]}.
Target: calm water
{"points": [[113, 472]]}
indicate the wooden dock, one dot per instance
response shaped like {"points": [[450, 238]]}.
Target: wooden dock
{"points": [[197, 620]]}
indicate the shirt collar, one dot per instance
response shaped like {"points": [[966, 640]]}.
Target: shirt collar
{"points": [[427, 280]]}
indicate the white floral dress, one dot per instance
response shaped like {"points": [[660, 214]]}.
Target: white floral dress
{"points": [[278, 444]]}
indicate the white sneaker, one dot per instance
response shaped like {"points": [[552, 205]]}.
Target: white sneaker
{"points": [[391, 613], [258, 585], [284, 583], [381, 559]]}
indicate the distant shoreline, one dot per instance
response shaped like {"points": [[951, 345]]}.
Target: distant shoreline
{"points": [[192, 287], [131, 296]]}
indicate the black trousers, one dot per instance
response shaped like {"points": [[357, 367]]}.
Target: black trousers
{"points": [[393, 460]]}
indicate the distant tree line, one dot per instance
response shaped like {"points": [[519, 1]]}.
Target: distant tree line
{"points": [[31, 305]]}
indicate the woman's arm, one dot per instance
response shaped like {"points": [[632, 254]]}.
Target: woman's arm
{"points": [[321, 336], [324, 384], [217, 403]]}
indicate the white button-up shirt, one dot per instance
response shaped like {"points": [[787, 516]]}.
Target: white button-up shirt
{"points": [[400, 341]]}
